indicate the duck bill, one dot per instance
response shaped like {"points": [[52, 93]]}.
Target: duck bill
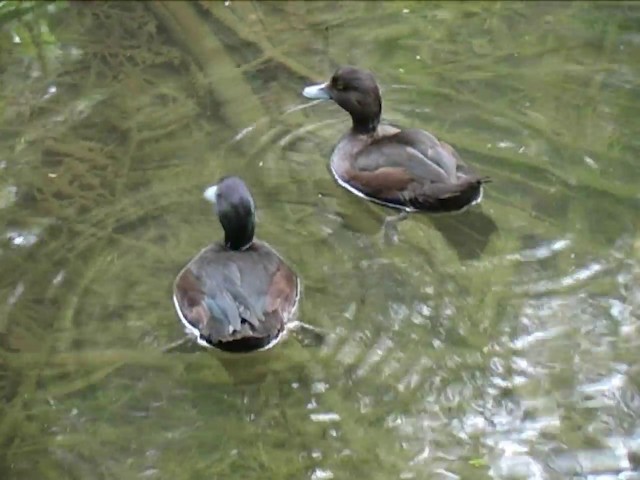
{"points": [[210, 193], [317, 92]]}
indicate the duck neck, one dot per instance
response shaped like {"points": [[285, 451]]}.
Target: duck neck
{"points": [[365, 126], [366, 120], [238, 242], [238, 231]]}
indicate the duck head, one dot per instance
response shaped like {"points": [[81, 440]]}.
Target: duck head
{"points": [[236, 211], [357, 92]]}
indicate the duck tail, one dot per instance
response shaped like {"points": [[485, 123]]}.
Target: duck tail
{"points": [[451, 198], [470, 193]]}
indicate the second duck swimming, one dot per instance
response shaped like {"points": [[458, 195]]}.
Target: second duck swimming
{"points": [[408, 169]]}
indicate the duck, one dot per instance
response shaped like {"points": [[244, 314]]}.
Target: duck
{"points": [[403, 168], [237, 294]]}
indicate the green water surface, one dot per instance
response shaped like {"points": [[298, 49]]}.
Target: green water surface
{"points": [[500, 343]]}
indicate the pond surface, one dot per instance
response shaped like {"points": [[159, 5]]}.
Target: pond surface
{"points": [[501, 343]]}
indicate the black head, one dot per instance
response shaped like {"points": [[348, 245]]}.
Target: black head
{"points": [[235, 209], [357, 92]]}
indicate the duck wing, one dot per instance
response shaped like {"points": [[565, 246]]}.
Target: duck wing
{"points": [[229, 295], [390, 155], [412, 168], [440, 153]]}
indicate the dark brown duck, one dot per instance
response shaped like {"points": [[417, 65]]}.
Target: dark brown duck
{"points": [[236, 295], [408, 169]]}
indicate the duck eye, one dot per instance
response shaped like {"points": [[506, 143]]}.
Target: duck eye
{"points": [[338, 85]]}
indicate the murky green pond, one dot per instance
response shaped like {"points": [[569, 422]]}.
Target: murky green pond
{"points": [[500, 343]]}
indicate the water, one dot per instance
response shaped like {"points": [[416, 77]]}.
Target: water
{"points": [[500, 343]]}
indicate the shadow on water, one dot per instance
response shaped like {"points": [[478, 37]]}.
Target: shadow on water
{"points": [[468, 233], [498, 343]]}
